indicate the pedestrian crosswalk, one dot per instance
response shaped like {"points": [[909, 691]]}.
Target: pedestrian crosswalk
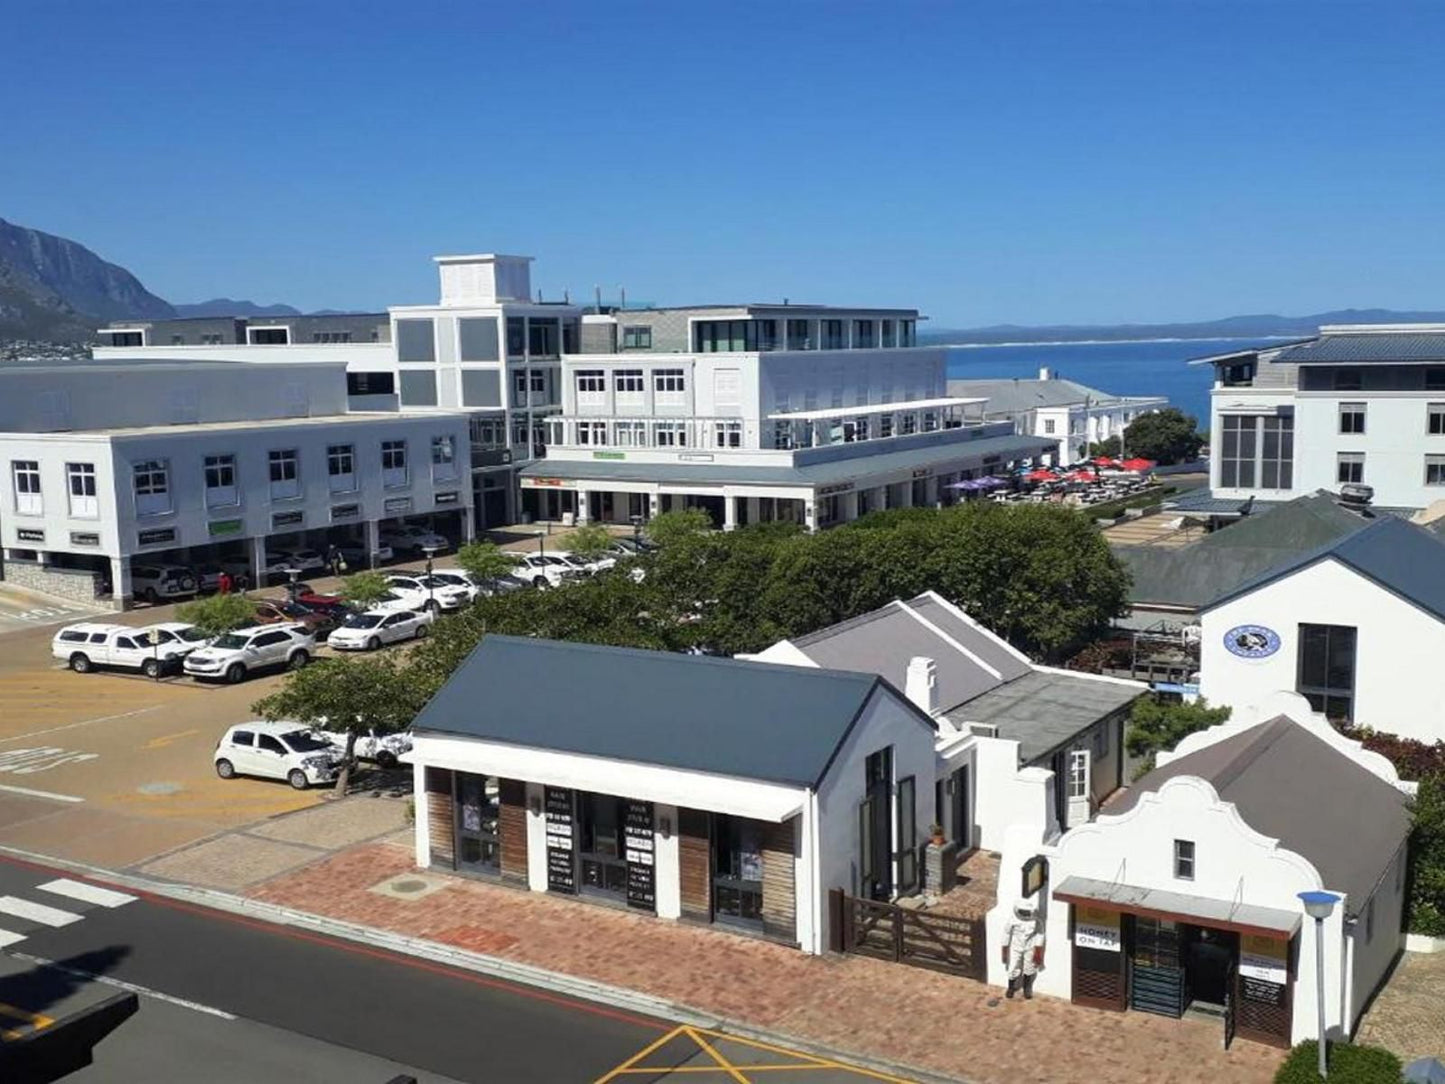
{"points": [[34, 913]]}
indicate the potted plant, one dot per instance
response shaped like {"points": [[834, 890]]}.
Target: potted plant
{"points": [[936, 832]]}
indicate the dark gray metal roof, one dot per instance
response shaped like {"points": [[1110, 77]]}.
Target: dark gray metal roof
{"points": [[1417, 346], [829, 473], [779, 724], [1024, 394], [1291, 784], [1043, 709], [1192, 576], [1204, 502], [1400, 556]]}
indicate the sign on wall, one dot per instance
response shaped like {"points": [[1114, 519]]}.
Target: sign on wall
{"points": [[156, 536], [393, 505], [221, 527], [1251, 641], [561, 872], [1036, 872], [448, 497], [345, 511], [1097, 928], [638, 840], [609, 455], [84, 538], [1265, 959], [29, 534], [287, 519]]}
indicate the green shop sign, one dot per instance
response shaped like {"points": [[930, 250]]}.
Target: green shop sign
{"points": [[609, 455], [221, 527]]}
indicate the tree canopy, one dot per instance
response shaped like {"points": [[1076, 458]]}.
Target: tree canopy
{"points": [[217, 614], [363, 589], [589, 540], [1158, 724], [1166, 436], [483, 560]]}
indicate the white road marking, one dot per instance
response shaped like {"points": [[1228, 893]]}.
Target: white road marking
{"points": [[130, 987], [83, 722], [87, 893], [8, 938], [41, 794], [37, 912]]}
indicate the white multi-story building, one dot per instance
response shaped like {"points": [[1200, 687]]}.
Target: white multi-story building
{"points": [[1073, 415], [113, 464], [1358, 404]]}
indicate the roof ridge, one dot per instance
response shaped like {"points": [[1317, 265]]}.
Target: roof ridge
{"points": [[1261, 738]]}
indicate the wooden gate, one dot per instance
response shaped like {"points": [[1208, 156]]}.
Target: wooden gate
{"points": [[888, 932]]}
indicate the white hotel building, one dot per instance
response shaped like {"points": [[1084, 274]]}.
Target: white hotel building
{"points": [[754, 412]]}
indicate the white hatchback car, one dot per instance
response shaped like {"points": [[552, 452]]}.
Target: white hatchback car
{"points": [[383, 749], [85, 646], [368, 631], [436, 596], [286, 751], [233, 655]]}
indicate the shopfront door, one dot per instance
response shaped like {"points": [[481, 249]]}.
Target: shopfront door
{"points": [[737, 873], [1209, 956], [478, 845]]}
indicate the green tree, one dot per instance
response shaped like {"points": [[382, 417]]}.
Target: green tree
{"points": [[589, 541], [216, 614], [1427, 855], [670, 527], [1158, 724], [485, 561], [1348, 1064], [353, 696], [1165, 436], [364, 589], [1109, 446]]}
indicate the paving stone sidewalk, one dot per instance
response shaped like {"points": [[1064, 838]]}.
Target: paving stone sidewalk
{"points": [[898, 1014]]}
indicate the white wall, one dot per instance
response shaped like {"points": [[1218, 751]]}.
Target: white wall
{"points": [[1395, 442], [667, 869], [357, 357], [1399, 681], [1007, 795]]}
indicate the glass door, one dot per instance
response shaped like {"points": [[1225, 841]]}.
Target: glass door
{"points": [[478, 845], [603, 857], [737, 877]]}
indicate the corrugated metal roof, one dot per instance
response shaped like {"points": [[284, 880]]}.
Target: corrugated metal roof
{"points": [[779, 724], [1364, 348], [1275, 774], [961, 452], [1400, 556], [1208, 910], [1009, 396]]}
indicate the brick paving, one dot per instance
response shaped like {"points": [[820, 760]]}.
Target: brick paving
{"points": [[904, 1015], [1408, 1016]]}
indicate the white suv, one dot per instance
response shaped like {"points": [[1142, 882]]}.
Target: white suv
{"points": [[86, 646], [412, 539], [156, 582], [235, 654], [438, 596], [546, 570], [286, 751]]}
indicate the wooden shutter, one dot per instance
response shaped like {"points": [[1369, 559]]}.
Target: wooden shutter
{"points": [[440, 815], [780, 905], [512, 828], [694, 857]]}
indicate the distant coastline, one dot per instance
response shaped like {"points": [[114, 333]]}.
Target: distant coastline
{"points": [[1110, 342]]}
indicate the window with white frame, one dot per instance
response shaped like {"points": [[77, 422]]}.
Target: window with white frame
{"points": [[519, 434], [341, 467], [81, 481], [591, 387], [1435, 470], [669, 386], [670, 434], [152, 487], [907, 423], [285, 474], [393, 463], [728, 434], [629, 385], [1184, 859], [443, 457], [1049, 426], [27, 487], [1352, 418], [885, 425], [1078, 773], [1435, 423], [591, 432], [630, 434], [1350, 467], [221, 489]]}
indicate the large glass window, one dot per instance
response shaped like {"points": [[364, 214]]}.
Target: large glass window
{"points": [[220, 471], [1326, 675], [341, 467], [285, 474], [591, 432], [737, 870], [638, 337], [603, 857], [799, 336], [832, 334], [478, 809], [864, 334], [27, 487], [516, 336], [1435, 422], [728, 434], [670, 434], [152, 487], [393, 463], [543, 338], [1257, 451], [720, 336], [669, 387], [907, 335], [591, 387], [1347, 380], [1435, 470], [443, 457]]}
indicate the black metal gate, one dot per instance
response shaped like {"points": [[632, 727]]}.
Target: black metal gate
{"points": [[1230, 998]]}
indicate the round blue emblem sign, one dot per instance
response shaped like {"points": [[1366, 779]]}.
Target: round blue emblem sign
{"points": [[1251, 641]]}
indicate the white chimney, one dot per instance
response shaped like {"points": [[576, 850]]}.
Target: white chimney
{"points": [[922, 684], [1046, 373]]}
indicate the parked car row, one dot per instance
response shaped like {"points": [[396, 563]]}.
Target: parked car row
{"points": [[303, 756]]}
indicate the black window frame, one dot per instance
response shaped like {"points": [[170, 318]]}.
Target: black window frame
{"points": [[1185, 859], [1435, 470], [737, 900], [487, 836], [1322, 680], [601, 871], [1352, 418], [1349, 468]]}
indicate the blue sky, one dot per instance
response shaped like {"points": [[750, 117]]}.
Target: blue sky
{"points": [[1082, 161]]}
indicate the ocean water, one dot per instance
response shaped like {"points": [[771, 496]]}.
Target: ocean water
{"points": [[1153, 367]]}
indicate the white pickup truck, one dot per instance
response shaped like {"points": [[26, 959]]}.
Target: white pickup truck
{"points": [[89, 645]]}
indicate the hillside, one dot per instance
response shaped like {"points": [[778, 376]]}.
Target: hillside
{"points": [[225, 306], [1241, 327]]}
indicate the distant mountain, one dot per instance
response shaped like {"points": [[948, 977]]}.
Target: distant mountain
{"points": [[224, 306], [54, 288], [1230, 327]]}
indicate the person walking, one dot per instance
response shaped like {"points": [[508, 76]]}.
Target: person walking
{"points": [[224, 583], [1022, 948], [334, 560]]}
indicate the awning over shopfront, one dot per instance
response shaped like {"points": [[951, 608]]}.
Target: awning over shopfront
{"points": [[1179, 907]]}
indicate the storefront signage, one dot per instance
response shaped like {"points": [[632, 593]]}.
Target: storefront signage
{"points": [[1251, 641], [695, 457], [392, 505], [638, 838], [1266, 993], [449, 497], [561, 872], [1096, 928], [220, 527], [551, 483], [828, 491], [29, 534], [287, 519], [155, 537], [345, 511], [1264, 959], [1036, 873], [609, 455], [84, 538], [921, 472]]}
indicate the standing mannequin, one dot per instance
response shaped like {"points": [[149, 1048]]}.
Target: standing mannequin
{"points": [[1022, 947]]}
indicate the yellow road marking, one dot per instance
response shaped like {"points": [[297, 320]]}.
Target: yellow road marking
{"points": [[700, 1036], [162, 742], [36, 1021], [696, 1037], [630, 1062]]}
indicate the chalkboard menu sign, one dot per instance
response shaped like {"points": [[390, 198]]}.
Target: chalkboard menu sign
{"points": [[1258, 990], [641, 890], [561, 872]]}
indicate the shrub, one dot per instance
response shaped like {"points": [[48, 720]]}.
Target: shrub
{"points": [[1348, 1064]]}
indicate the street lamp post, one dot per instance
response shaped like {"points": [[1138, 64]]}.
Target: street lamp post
{"points": [[293, 574], [541, 543], [637, 533], [431, 604], [1319, 906]]}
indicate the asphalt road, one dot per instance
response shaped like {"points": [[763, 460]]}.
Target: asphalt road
{"points": [[378, 1010]]}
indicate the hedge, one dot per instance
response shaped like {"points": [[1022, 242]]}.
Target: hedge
{"points": [[1348, 1064]]}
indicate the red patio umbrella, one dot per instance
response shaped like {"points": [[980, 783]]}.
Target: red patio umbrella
{"points": [[1136, 464], [1105, 461], [1081, 476], [1043, 474]]}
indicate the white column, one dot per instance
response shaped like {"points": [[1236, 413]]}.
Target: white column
{"points": [[469, 524], [850, 506], [422, 816], [584, 506], [536, 838], [654, 504], [906, 491], [373, 540], [258, 561], [120, 580], [730, 513], [810, 514], [667, 869]]}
